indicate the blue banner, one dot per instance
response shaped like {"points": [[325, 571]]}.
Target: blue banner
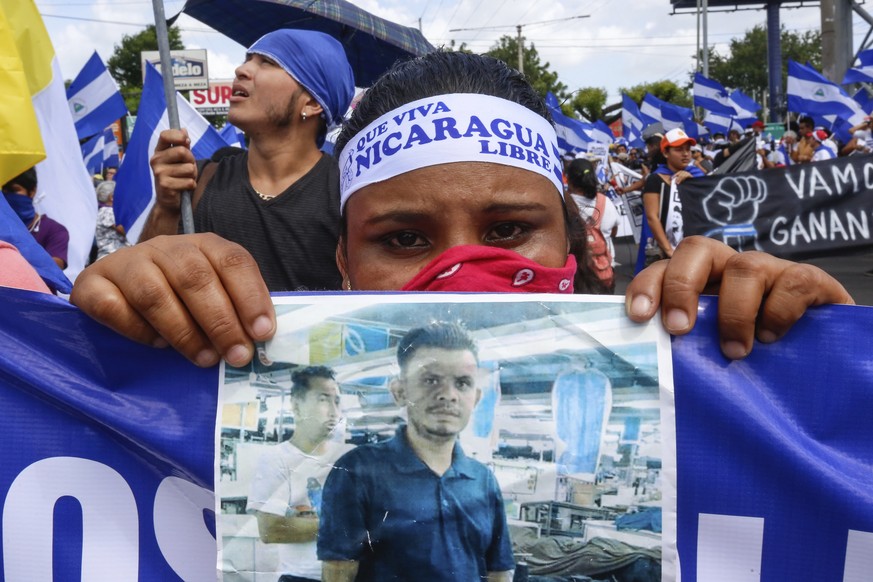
{"points": [[110, 451], [108, 459]]}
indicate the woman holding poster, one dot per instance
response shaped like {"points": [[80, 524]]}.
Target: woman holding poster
{"points": [[450, 181]]}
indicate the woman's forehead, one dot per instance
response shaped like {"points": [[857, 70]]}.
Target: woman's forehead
{"points": [[476, 184]]}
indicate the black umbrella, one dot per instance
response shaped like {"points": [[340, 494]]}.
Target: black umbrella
{"points": [[372, 44]]}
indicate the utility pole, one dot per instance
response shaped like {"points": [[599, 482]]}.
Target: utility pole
{"points": [[705, 7], [520, 39]]}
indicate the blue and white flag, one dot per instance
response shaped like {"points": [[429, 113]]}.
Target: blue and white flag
{"points": [[233, 135], [721, 123], [14, 232], [134, 183], [599, 132], [632, 122], [100, 152], [712, 96], [863, 73], [811, 93], [745, 107], [572, 137], [671, 116], [863, 98], [94, 98]]}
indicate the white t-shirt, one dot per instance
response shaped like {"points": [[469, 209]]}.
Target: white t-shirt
{"points": [[280, 488], [607, 222]]}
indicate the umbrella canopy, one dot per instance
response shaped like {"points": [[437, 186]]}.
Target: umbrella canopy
{"points": [[372, 44]]}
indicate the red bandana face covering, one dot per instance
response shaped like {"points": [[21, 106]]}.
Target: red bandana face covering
{"points": [[480, 268]]}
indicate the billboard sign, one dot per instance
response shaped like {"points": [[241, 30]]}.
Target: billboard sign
{"points": [[190, 70], [215, 100]]}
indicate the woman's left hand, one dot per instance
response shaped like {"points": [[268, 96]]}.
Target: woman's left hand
{"points": [[759, 295], [681, 176]]}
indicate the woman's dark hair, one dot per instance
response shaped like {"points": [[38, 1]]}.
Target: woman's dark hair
{"points": [[438, 73], [581, 176], [585, 280]]}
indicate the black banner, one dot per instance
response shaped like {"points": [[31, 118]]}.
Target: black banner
{"points": [[799, 210]]}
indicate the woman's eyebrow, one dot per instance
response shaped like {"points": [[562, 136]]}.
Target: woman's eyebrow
{"points": [[505, 207], [401, 216]]}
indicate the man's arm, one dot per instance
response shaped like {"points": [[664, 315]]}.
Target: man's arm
{"points": [[500, 576], [275, 529], [345, 571]]}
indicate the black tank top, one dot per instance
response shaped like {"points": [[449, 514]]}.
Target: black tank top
{"points": [[292, 237]]}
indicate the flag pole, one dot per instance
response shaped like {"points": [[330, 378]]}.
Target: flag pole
{"points": [[163, 37]]}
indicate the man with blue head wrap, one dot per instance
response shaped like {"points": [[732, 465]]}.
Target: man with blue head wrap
{"points": [[279, 199]]}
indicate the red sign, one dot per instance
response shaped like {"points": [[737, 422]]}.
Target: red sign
{"points": [[212, 101]]}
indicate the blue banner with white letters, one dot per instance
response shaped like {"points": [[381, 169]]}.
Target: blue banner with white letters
{"points": [[107, 465], [109, 454]]}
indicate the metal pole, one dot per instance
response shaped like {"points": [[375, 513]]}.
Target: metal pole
{"points": [[774, 60], [697, 53], [163, 37], [705, 38], [520, 51]]}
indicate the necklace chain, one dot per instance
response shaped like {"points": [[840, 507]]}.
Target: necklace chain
{"points": [[261, 195]]}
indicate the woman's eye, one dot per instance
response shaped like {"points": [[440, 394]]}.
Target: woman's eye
{"points": [[406, 240], [506, 230]]}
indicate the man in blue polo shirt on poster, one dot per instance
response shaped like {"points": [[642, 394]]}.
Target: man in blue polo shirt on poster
{"points": [[415, 507]]}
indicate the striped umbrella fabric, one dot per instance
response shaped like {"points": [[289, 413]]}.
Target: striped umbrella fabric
{"points": [[372, 44]]}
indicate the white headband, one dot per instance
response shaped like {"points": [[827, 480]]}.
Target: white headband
{"points": [[443, 129]]}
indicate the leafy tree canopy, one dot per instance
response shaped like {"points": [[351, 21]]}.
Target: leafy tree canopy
{"points": [[744, 66], [537, 73], [665, 90], [125, 65], [589, 102]]}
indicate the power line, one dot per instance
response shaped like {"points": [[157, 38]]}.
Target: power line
{"points": [[138, 24]]}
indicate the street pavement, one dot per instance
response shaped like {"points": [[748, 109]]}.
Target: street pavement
{"points": [[848, 268]]}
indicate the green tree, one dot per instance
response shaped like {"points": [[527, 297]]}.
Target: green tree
{"points": [[665, 90], [125, 65], [744, 66], [537, 73], [589, 102]]}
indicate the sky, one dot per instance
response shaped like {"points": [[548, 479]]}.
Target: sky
{"points": [[619, 43]]}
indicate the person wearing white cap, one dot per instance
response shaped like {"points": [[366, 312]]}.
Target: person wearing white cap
{"points": [[449, 180], [821, 151], [660, 199]]}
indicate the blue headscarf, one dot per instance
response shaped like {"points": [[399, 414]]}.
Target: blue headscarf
{"points": [[315, 60]]}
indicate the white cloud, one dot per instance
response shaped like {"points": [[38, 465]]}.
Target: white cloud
{"points": [[623, 43]]}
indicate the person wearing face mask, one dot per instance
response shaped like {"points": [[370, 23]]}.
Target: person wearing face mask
{"points": [[20, 192], [659, 194], [438, 209]]}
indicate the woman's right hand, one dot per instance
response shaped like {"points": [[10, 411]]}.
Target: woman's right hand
{"points": [[199, 293]]}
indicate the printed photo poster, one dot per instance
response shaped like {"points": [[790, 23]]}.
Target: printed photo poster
{"points": [[570, 428]]}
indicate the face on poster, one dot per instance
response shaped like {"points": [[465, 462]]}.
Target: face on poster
{"points": [[572, 412]]}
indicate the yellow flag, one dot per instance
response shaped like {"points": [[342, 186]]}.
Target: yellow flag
{"points": [[65, 192], [22, 74]]}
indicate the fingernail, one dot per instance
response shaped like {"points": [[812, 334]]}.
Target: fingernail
{"points": [[160, 343], [238, 355], [734, 350], [206, 358], [676, 321], [262, 326], [640, 306], [766, 336]]}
